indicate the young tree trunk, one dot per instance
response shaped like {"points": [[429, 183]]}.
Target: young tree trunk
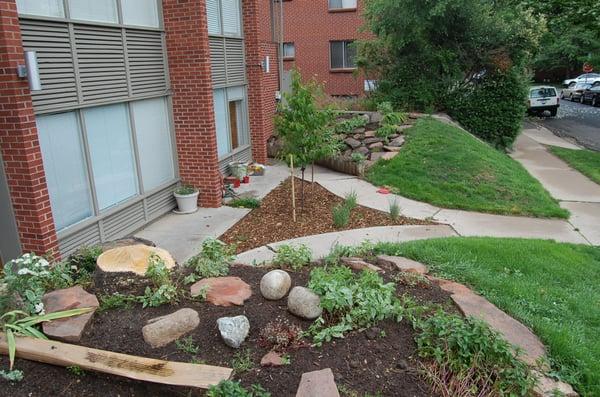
{"points": [[312, 177], [302, 191]]}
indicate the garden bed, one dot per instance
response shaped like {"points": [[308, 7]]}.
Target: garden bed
{"points": [[272, 222], [379, 360]]}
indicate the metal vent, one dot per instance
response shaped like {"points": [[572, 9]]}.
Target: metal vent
{"points": [[146, 62], [234, 60], [86, 237], [123, 222], [217, 61], [160, 203]]}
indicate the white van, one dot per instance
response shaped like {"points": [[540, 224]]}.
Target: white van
{"points": [[542, 98]]}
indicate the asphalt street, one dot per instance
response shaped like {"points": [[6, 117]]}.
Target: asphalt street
{"points": [[578, 122]]}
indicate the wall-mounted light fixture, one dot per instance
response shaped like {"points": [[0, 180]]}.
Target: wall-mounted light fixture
{"points": [[31, 71], [266, 64]]}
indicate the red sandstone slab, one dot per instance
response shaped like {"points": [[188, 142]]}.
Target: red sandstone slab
{"points": [[68, 329], [223, 291], [318, 384]]}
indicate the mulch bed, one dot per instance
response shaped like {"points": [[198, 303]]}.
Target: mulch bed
{"points": [[360, 362], [273, 222]]}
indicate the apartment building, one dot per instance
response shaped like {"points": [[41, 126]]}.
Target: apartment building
{"points": [[107, 105], [318, 37]]}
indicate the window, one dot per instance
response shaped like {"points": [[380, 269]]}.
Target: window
{"points": [[111, 154], [342, 54], [342, 4], [65, 168], [94, 10], [153, 137], [230, 119], [224, 17], [289, 50], [46, 8], [140, 12]]}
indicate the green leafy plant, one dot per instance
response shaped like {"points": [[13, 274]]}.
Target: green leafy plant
{"points": [[286, 359], [390, 120], [351, 301], [229, 388], [245, 202], [351, 200], [76, 370], [341, 216], [365, 249], [293, 257], [12, 376], [82, 263], [117, 301], [186, 190], [18, 322], [349, 125], [394, 210], [358, 158], [163, 291], [212, 261], [385, 131], [187, 345], [242, 361]]}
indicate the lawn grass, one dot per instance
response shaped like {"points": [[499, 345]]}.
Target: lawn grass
{"points": [[447, 167], [585, 161], [553, 288]]}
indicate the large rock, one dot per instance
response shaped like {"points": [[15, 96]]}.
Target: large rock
{"points": [[362, 150], [401, 263], [392, 148], [304, 303], [548, 387], [223, 291], [397, 142], [161, 331], [132, 258], [68, 329], [383, 155], [369, 141], [318, 384], [376, 145], [275, 284], [353, 143], [234, 330]]}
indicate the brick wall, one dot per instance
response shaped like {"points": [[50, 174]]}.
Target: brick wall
{"points": [[311, 26], [189, 68], [261, 85], [20, 145]]}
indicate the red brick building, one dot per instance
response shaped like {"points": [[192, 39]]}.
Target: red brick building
{"points": [[134, 97], [317, 36]]}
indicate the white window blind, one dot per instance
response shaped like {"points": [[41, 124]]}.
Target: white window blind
{"points": [[220, 105], [153, 135], [46, 8], [289, 50], [65, 168], [111, 153], [214, 16], [140, 12], [231, 17], [94, 10], [341, 4]]}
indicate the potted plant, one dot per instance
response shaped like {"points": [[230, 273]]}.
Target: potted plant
{"points": [[187, 199]]}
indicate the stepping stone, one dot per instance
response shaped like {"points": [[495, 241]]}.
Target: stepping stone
{"points": [[271, 359], [318, 384], [401, 263], [132, 258], [68, 329], [223, 291], [471, 304], [161, 331], [359, 264], [548, 387]]}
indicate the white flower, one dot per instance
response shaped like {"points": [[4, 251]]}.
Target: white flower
{"points": [[39, 309], [43, 262], [25, 270]]}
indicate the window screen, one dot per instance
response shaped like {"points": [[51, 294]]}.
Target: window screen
{"points": [[231, 17], [343, 55], [214, 16], [140, 12], [289, 50], [46, 8], [341, 4], [94, 10], [221, 122]]}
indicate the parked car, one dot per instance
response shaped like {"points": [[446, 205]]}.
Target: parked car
{"points": [[575, 91], [592, 96], [584, 78], [542, 98]]}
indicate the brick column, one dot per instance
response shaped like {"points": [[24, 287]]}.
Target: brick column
{"points": [[261, 85], [189, 68], [20, 145]]}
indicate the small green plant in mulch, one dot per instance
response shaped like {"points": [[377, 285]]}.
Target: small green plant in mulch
{"points": [[286, 359], [76, 370], [364, 250], [349, 125], [164, 290], [394, 210], [117, 301], [187, 345], [245, 202], [242, 361], [341, 216], [185, 190], [295, 257], [213, 260], [14, 376], [229, 388], [351, 200]]}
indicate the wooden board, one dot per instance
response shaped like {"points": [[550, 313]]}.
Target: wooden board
{"points": [[133, 367]]}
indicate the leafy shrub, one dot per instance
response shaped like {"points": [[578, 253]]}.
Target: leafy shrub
{"points": [[467, 358], [385, 131], [351, 200], [352, 301], [164, 290], [294, 257], [185, 190], [280, 336], [358, 158], [341, 216], [212, 261], [28, 277], [394, 210], [348, 126], [493, 109], [245, 202], [390, 117], [365, 249], [229, 388], [83, 262]]}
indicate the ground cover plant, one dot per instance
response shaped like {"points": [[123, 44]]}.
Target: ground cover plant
{"points": [[549, 287], [294, 257], [445, 166], [585, 161], [212, 261], [244, 202]]}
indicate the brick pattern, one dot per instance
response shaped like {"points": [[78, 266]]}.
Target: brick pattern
{"points": [[261, 85], [311, 26], [20, 145]]}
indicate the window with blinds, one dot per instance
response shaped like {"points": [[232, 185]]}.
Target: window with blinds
{"points": [[224, 17]]}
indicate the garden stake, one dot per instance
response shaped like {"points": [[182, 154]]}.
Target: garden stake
{"points": [[293, 189]]}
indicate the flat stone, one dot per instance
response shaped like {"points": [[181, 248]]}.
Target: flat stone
{"points": [[397, 142], [359, 264], [359, 130], [275, 284], [369, 141], [234, 330], [223, 291], [68, 329], [415, 115], [353, 143], [471, 304], [304, 303], [272, 359], [401, 263], [161, 331], [392, 148], [362, 150], [132, 258], [548, 387], [403, 127], [376, 145], [318, 384], [383, 155], [370, 134]]}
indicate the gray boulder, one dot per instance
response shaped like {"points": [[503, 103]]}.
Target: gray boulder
{"points": [[161, 331], [275, 284], [234, 330], [304, 303], [353, 143]]}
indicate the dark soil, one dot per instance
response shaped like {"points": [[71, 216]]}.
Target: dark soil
{"points": [[364, 362], [273, 222]]}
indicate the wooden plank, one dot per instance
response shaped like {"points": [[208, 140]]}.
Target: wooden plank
{"points": [[133, 367]]}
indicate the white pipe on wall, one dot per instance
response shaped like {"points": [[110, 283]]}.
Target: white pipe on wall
{"points": [[33, 72]]}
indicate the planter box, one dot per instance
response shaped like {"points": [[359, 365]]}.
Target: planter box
{"points": [[343, 164]]}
